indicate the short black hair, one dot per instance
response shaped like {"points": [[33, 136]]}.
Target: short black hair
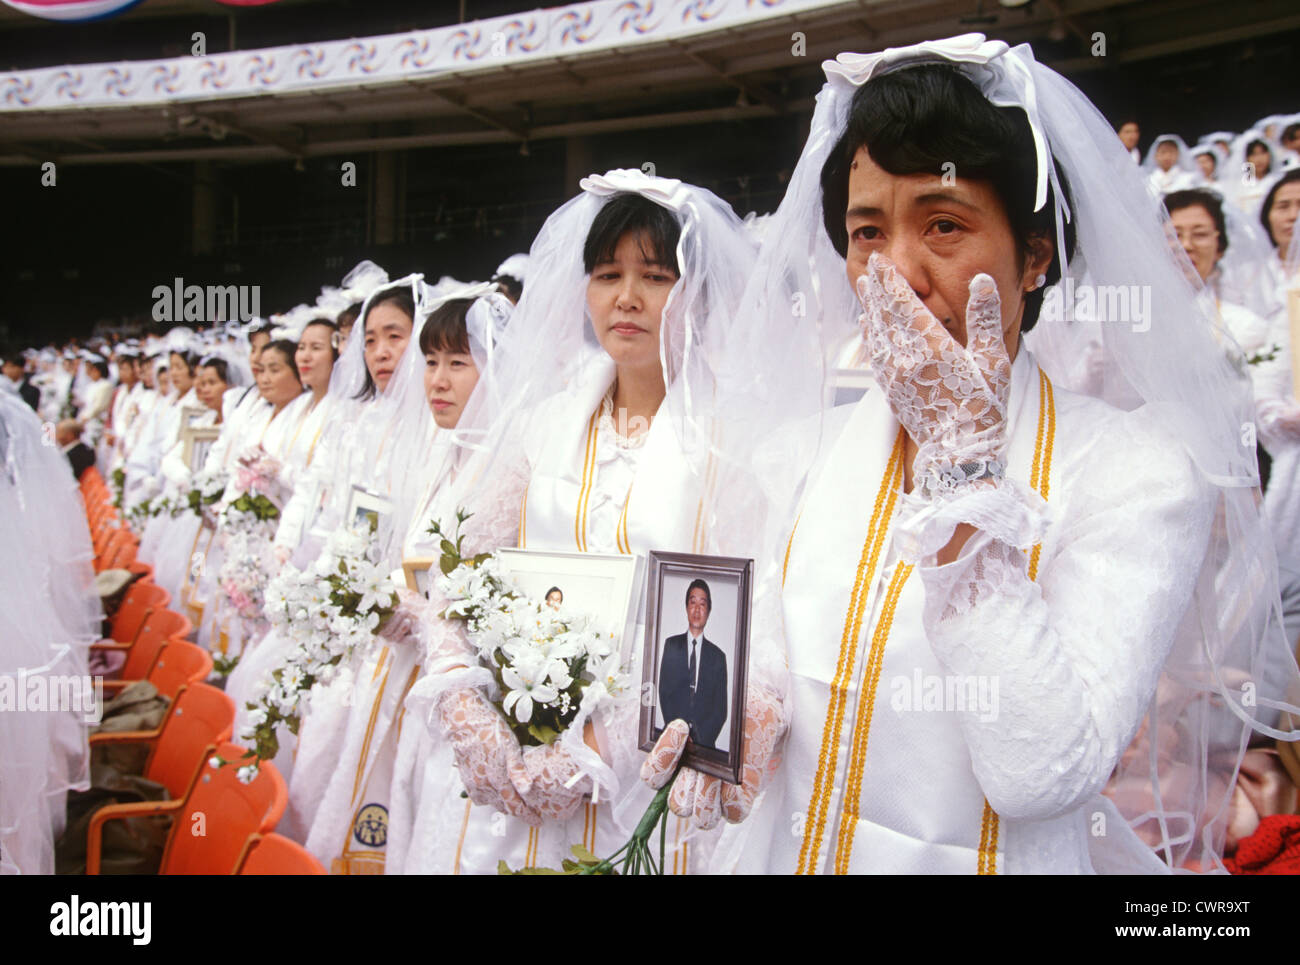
{"points": [[554, 589], [218, 365], [698, 584], [1265, 209], [402, 298], [444, 330], [1290, 131], [918, 119], [629, 212], [288, 349], [511, 287], [99, 367], [1177, 200]]}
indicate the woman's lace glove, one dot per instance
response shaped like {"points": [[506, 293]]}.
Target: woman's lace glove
{"points": [[410, 616], [488, 757], [706, 799], [951, 399], [550, 768]]}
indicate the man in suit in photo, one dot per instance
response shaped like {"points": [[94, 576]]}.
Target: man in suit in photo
{"points": [[693, 673]]}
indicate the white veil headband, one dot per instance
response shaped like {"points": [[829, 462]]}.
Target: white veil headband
{"points": [[1239, 175], [1166, 359], [485, 321], [382, 440], [548, 344], [1184, 162], [238, 371]]}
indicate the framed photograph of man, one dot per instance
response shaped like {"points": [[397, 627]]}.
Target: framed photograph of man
{"points": [[696, 656], [198, 442], [417, 571], [368, 508], [604, 586]]}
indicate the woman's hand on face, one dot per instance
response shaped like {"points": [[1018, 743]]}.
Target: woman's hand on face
{"points": [[950, 399]]}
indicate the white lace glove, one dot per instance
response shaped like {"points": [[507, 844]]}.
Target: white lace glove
{"points": [[706, 799], [488, 757], [407, 619], [950, 399], [550, 768]]}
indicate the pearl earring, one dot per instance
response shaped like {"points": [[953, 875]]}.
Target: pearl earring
{"points": [[1040, 281]]}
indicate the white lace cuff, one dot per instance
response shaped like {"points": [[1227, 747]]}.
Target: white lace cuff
{"points": [[1009, 512]]}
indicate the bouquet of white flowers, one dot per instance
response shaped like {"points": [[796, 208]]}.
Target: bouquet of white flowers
{"points": [[208, 485], [344, 599], [549, 662]]}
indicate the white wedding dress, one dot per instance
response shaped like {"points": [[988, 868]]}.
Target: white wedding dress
{"points": [[965, 718]]}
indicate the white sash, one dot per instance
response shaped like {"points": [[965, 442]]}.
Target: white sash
{"points": [[913, 801]]}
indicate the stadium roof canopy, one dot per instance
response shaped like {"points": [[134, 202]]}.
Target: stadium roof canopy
{"points": [[594, 68]]}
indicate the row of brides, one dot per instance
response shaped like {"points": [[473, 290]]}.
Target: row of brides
{"points": [[1093, 546]]}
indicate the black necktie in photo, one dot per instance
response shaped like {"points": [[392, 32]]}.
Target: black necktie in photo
{"points": [[690, 666]]}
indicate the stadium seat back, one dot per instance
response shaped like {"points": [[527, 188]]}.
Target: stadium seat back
{"points": [[200, 718], [179, 663], [274, 854], [210, 831], [161, 626], [140, 600]]}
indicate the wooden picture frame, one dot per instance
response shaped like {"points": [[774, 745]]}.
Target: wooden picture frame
{"points": [[721, 650]]}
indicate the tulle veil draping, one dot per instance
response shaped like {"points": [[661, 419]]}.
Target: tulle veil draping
{"points": [[46, 632], [1231, 670]]}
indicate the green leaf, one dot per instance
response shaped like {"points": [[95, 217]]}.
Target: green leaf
{"points": [[446, 564], [546, 735]]}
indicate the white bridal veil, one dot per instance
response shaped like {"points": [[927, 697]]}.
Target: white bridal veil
{"points": [[1231, 670]]}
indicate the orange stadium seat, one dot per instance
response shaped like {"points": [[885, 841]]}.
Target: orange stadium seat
{"points": [[274, 854]]}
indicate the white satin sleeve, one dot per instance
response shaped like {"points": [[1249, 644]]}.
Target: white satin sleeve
{"points": [[1275, 401], [1076, 654], [309, 485]]}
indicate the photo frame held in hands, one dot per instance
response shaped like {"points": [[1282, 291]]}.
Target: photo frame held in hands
{"points": [[369, 508], [417, 571], [603, 586], [696, 657], [198, 442]]}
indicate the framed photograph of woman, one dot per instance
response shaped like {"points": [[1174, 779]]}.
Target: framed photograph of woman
{"points": [[605, 586], [198, 441], [696, 656]]}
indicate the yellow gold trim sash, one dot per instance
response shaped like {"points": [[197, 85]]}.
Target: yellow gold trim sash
{"points": [[584, 490], [815, 817], [862, 727]]}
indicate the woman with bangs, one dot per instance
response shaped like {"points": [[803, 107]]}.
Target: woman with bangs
{"points": [[617, 462], [985, 576], [177, 531], [366, 803], [377, 438], [265, 433]]}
